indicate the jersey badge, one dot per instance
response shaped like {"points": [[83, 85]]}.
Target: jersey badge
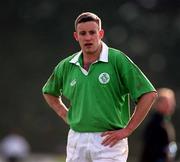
{"points": [[104, 78], [73, 82]]}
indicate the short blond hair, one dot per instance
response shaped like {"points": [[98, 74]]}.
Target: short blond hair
{"points": [[168, 93], [87, 16]]}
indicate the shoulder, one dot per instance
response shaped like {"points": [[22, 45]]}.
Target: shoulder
{"points": [[117, 54], [66, 61], [119, 57]]}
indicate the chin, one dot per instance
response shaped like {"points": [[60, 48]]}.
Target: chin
{"points": [[90, 52]]}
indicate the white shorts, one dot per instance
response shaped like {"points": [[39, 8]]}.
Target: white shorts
{"points": [[87, 147]]}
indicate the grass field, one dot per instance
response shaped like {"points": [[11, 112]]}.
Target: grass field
{"points": [[52, 158], [43, 158], [56, 158], [59, 158], [46, 158]]}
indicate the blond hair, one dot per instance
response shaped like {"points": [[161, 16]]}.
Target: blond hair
{"points": [[168, 93], [87, 16]]}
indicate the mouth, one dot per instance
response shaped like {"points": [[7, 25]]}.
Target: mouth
{"points": [[88, 44]]}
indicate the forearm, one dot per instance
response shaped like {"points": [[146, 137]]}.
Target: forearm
{"points": [[57, 105], [141, 110]]}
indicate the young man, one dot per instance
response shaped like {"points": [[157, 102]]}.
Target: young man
{"points": [[98, 82]]}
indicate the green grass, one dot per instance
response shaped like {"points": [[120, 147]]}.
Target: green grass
{"points": [[61, 158]]}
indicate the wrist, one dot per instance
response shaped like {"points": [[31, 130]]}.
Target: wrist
{"points": [[129, 130]]}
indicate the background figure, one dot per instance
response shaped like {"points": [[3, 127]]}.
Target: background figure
{"points": [[14, 147], [159, 135]]}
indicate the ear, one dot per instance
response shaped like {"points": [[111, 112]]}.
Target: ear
{"points": [[75, 36], [101, 33]]}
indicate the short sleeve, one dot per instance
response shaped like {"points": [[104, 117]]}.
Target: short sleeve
{"points": [[135, 81], [54, 84]]}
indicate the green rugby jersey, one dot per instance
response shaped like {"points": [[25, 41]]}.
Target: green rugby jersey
{"points": [[100, 97]]}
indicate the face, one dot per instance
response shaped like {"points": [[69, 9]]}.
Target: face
{"points": [[165, 106], [89, 37]]}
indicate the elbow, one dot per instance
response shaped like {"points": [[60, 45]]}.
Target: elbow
{"points": [[154, 95], [51, 100], [151, 96]]}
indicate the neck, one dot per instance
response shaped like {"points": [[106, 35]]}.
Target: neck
{"points": [[89, 58], [92, 57]]}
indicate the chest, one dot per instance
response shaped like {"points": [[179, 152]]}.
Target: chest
{"points": [[99, 77]]}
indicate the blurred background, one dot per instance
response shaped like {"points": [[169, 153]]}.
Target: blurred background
{"points": [[36, 34]]}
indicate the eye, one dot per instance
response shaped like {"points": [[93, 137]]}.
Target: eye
{"points": [[92, 32], [82, 33]]}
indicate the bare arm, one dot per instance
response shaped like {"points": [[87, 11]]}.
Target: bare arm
{"points": [[57, 105], [142, 108]]}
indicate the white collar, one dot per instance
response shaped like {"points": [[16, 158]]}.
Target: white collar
{"points": [[103, 55]]}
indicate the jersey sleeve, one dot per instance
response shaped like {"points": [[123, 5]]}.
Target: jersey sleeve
{"points": [[134, 80], [54, 84]]}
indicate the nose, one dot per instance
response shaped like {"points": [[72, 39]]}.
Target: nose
{"points": [[88, 36]]}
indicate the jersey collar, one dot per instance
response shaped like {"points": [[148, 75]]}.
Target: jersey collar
{"points": [[103, 55]]}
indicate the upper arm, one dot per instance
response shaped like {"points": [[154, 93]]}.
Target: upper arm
{"points": [[134, 80], [54, 84]]}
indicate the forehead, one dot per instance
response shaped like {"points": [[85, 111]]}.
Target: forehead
{"points": [[86, 26]]}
